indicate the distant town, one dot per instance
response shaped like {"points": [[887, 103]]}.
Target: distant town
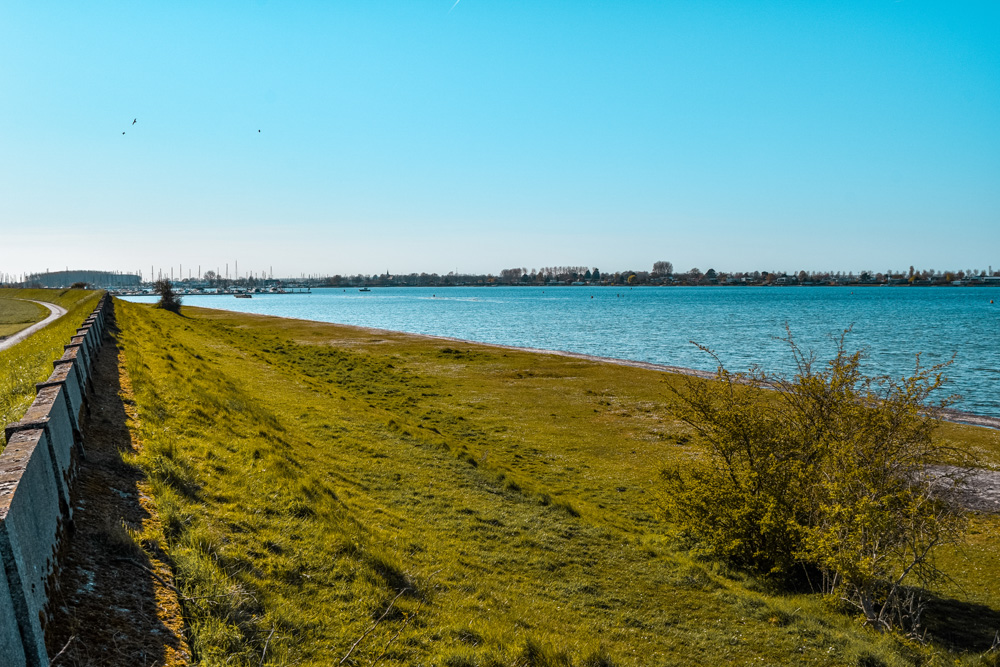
{"points": [[661, 274]]}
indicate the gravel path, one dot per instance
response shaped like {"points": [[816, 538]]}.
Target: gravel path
{"points": [[979, 490], [55, 312]]}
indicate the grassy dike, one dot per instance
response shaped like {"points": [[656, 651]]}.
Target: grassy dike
{"points": [[30, 361], [329, 490]]}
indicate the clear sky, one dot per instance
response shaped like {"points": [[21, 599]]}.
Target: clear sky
{"points": [[423, 135]]}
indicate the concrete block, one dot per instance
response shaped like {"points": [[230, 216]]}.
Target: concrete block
{"points": [[95, 322], [64, 376], [81, 355], [30, 525], [11, 644], [79, 342], [102, 314], [88, 333], [91, 339], [71, 354], [50, 412], [78, 397], [87, 341]]}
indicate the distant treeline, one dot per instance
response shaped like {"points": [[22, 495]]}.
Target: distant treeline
{"points": [[663, 273]]}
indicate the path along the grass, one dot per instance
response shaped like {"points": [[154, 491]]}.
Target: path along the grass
{"points": [[55, 312]]}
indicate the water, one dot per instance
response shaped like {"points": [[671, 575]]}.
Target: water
{"points": [[657, 324]]}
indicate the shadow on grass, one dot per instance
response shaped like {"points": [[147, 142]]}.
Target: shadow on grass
{"points": [[961, 626], [105, 607]]}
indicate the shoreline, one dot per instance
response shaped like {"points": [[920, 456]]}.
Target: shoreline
{"points": [[131, 294], [949, 415]]}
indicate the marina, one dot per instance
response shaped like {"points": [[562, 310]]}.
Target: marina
{"points": [[238, 292]]}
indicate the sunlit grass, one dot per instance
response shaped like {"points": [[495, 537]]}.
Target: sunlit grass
{"points": [[464, 505], [17, 315], [30, 361]]}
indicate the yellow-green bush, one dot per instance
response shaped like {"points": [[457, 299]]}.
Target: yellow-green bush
{"points": [[826, 473]]}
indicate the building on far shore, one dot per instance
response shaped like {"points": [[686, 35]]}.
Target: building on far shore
{"points": [[100, 279]]}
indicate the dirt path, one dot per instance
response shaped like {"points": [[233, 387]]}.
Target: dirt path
{"points": [[979, 490], [113, 603], [55, 312]]}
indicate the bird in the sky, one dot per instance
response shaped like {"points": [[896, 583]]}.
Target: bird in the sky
{"points": [[133, 120], [258, 131], [123, 133]]}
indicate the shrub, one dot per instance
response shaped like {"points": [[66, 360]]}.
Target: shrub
{"points": [[831, 473], [168, 298]]}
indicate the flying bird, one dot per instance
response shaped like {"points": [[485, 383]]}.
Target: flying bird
{"points": [[133, 120]]}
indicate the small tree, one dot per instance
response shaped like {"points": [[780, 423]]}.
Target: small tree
{"points": [[168, 298], [831, 473]]}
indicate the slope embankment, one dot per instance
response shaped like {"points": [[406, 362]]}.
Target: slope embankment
{"points": [[330, 495]]}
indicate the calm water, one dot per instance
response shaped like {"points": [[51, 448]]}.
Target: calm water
{"points": [[657, 324]]}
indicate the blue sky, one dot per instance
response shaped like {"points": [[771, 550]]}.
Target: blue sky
{"points": [[419, 135]]}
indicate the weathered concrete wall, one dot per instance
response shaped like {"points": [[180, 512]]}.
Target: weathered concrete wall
{"points": [[36, 473]]}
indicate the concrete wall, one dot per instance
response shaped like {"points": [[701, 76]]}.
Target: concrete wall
{"points": [[37, 470]]}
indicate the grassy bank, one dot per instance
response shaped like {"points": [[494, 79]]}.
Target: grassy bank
{"points": [[18, 315], [30, 361], [329, 490]]}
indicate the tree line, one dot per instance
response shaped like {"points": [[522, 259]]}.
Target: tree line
{"points": [[661, 273]]}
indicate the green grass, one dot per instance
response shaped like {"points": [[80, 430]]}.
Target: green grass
{"points": [[491, 507], [18, 315], [30, 361]]}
